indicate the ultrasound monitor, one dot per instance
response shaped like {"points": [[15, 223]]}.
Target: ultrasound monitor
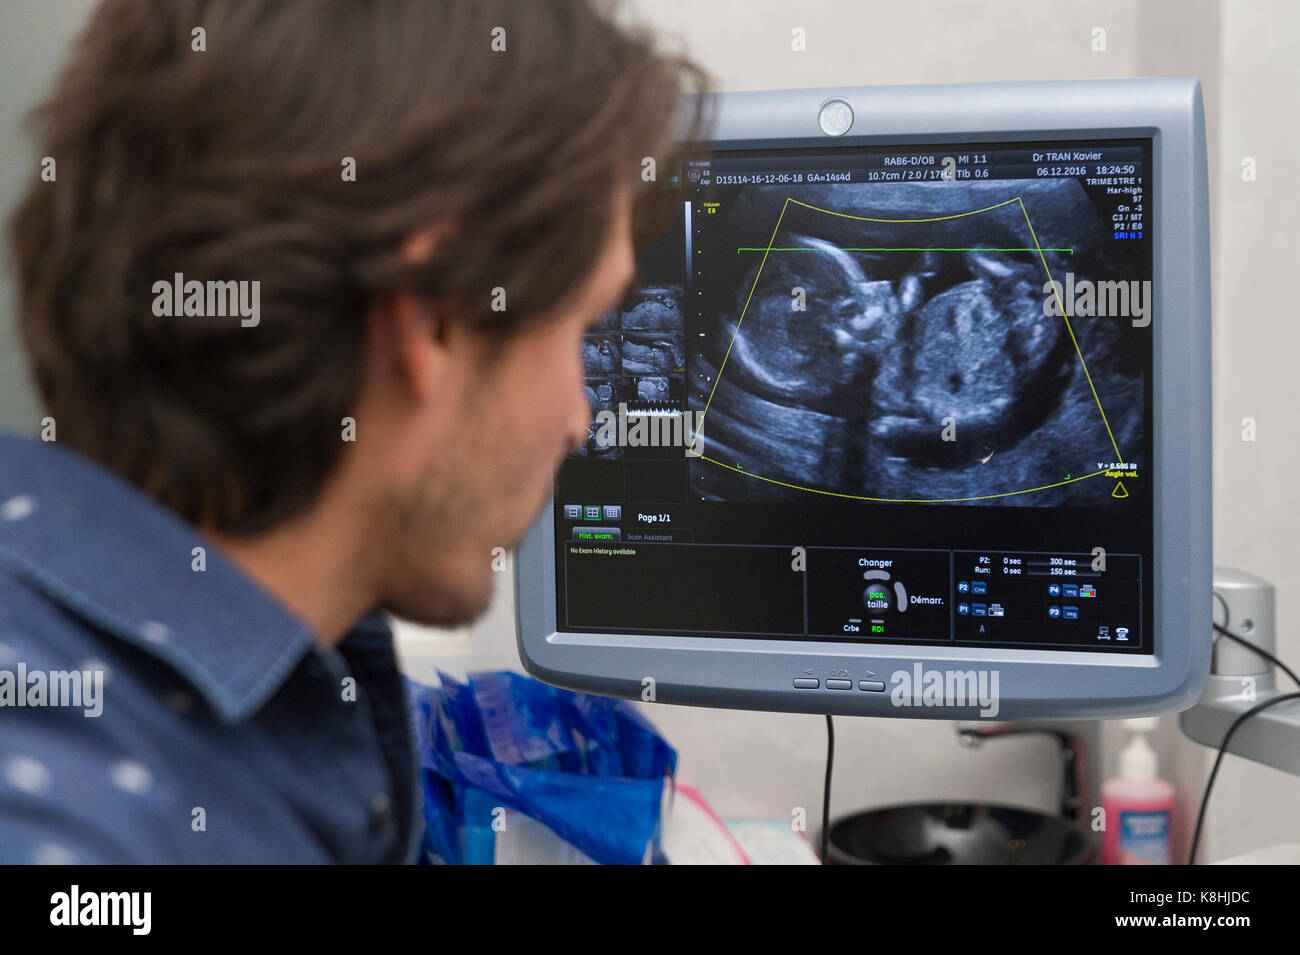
{"points": [[908, 416]]}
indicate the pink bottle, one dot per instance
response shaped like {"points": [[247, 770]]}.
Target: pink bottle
{"points": [[1138, 805]]}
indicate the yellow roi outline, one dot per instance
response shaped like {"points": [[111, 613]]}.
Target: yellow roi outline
{"points": [[940, 500]]}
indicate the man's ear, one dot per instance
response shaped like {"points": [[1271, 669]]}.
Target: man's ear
{"points": [[408, 341], [420, 245], [410, 335]]}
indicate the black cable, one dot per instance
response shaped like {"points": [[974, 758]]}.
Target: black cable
{"points": [[1223, 749], [826, 792], [1260, 650]]}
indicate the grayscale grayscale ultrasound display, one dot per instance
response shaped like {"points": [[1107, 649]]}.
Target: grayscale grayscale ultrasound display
{"points": [[928, 361], [853, 401]]}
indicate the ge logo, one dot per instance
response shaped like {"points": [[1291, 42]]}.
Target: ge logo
{"points": [[836, 117]]}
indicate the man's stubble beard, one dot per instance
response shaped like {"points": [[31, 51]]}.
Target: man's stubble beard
{"points": [[434, 575], [443, 572]]}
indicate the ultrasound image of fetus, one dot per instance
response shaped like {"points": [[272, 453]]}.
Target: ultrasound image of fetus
{"points": [[601, 395], [651, 390], [654, 307], [602, 353], [651, 353], [915, 375]]}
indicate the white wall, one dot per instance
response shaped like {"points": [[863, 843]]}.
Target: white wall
{"points": [[33, 38], [1256, 350]]}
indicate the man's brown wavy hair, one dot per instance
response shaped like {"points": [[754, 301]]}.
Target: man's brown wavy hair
{"points": [[227, 164]]}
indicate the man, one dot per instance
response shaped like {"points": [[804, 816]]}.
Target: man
{"points": [[303, 289]]}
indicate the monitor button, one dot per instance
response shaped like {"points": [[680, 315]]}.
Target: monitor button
{"points": [[803, 683], [873, 686], [839, 684]]}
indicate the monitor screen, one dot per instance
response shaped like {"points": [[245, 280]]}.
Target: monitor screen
{"points": [[882, 395]]}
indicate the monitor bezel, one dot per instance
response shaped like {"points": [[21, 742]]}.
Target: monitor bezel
{"points": [[758, 673]]}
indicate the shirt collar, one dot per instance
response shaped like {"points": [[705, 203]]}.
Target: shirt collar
{"points": [[102, 549]]}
